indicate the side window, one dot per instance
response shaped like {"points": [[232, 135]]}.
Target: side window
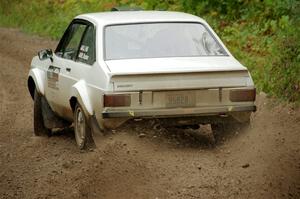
{"points": [[87, 48], [70, 45]]}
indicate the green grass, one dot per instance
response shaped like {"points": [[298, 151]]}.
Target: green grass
{"points": [[263, 35]]}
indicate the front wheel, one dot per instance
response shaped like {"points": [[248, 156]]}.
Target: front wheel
{"points": [[82, 129]]}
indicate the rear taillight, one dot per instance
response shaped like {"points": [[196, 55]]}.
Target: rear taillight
{"points": [[242, 95], [117, 100]]}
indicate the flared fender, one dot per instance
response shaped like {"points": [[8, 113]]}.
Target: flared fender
{"points": [[38, 77], [81, 92]]}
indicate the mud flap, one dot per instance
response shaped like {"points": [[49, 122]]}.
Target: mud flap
{"points": [[241, 117], [50, 119], [95, 126]]}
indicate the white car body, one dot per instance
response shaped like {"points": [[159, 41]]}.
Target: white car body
{"points": [[149, 82]]}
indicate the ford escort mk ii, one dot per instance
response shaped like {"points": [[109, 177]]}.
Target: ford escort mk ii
{"points": [[115, 66]]}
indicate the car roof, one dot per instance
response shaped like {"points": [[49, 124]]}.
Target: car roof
{"points": [[120, 17]]}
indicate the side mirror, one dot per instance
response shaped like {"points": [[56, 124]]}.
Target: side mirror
{"points": [[45, 54]]}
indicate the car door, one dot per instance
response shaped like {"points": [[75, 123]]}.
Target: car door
{"points": [[74, 58], [64, 70], [66, 50]]}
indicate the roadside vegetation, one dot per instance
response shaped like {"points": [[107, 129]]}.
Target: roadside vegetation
{"points": [[263, 34]]}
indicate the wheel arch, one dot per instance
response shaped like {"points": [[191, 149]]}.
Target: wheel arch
{"points": [[79, 94], [73, 101], [31, 86], [35, 81]]}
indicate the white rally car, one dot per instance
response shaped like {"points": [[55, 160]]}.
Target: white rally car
{"points": [[114, 66]]}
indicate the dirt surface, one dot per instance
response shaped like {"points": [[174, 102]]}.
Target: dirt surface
{"points": [[139, 160]]}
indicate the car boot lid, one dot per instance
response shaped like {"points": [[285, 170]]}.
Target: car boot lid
{"points": [[174, 65]]}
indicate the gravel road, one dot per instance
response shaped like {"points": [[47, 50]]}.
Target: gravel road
{"points": [[139, 160]]}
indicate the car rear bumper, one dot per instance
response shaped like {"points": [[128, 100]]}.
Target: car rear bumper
{"points": [[176, 112]]}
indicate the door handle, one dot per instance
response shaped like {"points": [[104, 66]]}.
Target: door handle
{"points": [[68, 69]]}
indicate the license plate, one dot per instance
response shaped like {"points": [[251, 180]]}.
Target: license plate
{"points": [[180, 99]]}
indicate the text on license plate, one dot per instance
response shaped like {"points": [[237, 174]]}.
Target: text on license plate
{"points": [[180, 99]]}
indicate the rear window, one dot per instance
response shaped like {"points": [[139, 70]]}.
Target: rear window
{"points": [[156, 40]]}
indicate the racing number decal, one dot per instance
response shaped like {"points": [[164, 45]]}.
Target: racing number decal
{"points": [[83, 52], [53, 77]]}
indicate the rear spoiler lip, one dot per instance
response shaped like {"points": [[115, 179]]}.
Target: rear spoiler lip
{"points": [[175, 72]]}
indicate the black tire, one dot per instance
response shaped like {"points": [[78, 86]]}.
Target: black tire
{"points": [[82, 129], [39, 128], [218, 131]]}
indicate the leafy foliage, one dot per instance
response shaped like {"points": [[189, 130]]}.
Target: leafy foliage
{"points": [[263, 34]]}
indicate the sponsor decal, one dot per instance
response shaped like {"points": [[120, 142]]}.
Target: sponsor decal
{"points": [[124, 86], [53, 77], [83, 52]]}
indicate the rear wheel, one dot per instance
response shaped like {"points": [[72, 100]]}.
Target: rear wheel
{"points": [[222, 129], [218, 131], [83, 134], [38, 121]]}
